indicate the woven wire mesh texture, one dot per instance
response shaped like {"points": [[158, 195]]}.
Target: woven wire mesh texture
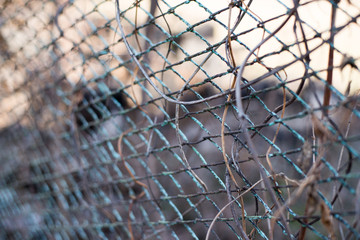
{"points": [[170, 119]]}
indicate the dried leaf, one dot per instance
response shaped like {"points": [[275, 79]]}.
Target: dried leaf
{"points": [[326, 220]]}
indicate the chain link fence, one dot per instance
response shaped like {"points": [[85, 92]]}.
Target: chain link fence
{"points": [[166, 119]]}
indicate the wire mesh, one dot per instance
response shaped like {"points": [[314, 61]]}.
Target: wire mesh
{"points": [[170, 119]]}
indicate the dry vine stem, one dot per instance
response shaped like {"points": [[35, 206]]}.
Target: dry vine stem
{"points": [[232, 58], [133, 178], [223, 145], [329, 78], [227, 205], [233, 62], [276, 134], [242, 231], [242, 115], [182, 149]]}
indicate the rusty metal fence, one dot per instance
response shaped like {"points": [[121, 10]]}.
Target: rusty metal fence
{"points": [[166, 119]]}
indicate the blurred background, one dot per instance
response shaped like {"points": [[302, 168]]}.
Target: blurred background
{"points": [[119, 119]]}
